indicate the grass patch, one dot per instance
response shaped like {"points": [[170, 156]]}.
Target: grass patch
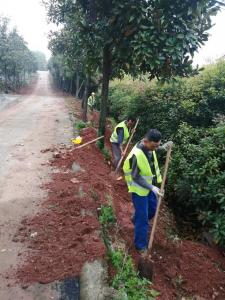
{"points": [[106, 154], [126, 281], [107, 217], [80, 125]]}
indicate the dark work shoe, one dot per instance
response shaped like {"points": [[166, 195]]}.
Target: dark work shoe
{"points": [[143, 252]]}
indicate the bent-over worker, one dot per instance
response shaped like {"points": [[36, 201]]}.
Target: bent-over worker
{"points": [[119, 137], [142, 174]]}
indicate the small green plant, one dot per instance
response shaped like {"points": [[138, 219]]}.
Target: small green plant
{"points": [[94, 194], [105, 151], [107, 216], [126, 281], [80, 125], [179, 281], [172, 235], [106, 154]]}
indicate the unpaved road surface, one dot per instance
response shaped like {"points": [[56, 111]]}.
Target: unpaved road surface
{"points": [[35, 122]]}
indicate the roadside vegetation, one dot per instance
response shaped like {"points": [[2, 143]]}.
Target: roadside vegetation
{"points": [[137, 55], [191, 112], [102, 40], [17, 62], [126, 280]]}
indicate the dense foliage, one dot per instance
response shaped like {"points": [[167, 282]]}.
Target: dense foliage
{"points": [[40, 60], [197, 177], [157, 38], [192, 113], [17, 62]]}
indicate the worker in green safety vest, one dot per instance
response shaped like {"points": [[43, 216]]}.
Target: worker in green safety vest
{"points": [[142, 175], [120, 137], [91, 101]]}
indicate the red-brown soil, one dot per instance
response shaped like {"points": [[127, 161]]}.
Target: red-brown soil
{"points": [[68, 231]]}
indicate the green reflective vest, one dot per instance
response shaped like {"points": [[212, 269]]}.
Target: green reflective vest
{"points": [[114, 136], [91, 101], [145, 171]]}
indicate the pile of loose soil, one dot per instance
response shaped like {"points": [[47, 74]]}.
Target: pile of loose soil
{"points": [[181, 267], [68, 232]]}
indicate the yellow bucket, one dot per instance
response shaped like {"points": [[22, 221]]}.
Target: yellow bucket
{"points": [[77, 140]]}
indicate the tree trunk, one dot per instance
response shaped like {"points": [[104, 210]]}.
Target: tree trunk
{"points": [[77, 84], [71, 85], [85, 99], [80, 88], [5, 75], [105, 92]]}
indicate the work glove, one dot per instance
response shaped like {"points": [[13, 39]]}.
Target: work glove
{"points": [[167, 145], [156, 191]]}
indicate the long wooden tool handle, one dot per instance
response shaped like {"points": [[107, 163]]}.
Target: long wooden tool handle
{"points": [[90, 142], [126, 148], [160, 199]]}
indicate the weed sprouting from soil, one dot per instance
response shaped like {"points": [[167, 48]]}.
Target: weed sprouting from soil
{"points": [[94, 194], [80, 125]]}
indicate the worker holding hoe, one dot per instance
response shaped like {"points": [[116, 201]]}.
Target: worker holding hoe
{"points": [[119, 137], [142, 174]]}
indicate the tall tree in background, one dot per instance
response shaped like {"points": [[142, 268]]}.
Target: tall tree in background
{"points": [[155, 37], [17, 63], [77, 55]]}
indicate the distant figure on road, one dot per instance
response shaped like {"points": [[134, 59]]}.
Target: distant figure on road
{"points": [[119, 137]]}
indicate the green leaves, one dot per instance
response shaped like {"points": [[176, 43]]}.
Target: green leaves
{"points": [[17, 62], [205, 173], [190, 111], [138, 32], [107, 217], [127, 280]]}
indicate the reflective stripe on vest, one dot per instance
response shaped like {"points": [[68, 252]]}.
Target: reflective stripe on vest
{"points": [[145, 171], [114, 136]]}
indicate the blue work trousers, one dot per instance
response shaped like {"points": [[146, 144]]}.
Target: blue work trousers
{"points": [[145, 209]]}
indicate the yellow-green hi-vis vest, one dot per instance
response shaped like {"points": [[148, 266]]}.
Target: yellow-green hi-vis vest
{"points": [[114, 136], [91, 101], [145, 171]]}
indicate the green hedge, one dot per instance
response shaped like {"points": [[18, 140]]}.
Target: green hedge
{"points": [[197, 177], [196, 101], [191, 113]]}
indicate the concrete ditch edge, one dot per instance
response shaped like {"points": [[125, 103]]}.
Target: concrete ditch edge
{"points": [[94, 282]]}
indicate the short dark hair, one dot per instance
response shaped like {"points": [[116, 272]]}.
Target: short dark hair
{"points": [[131, 118], [153, 135]]}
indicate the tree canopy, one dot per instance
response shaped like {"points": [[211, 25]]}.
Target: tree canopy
{"points": [[191, 112], [17, 62], [157, 37]]}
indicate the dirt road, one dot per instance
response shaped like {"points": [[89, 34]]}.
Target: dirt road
{"points": [[35, 122]]}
